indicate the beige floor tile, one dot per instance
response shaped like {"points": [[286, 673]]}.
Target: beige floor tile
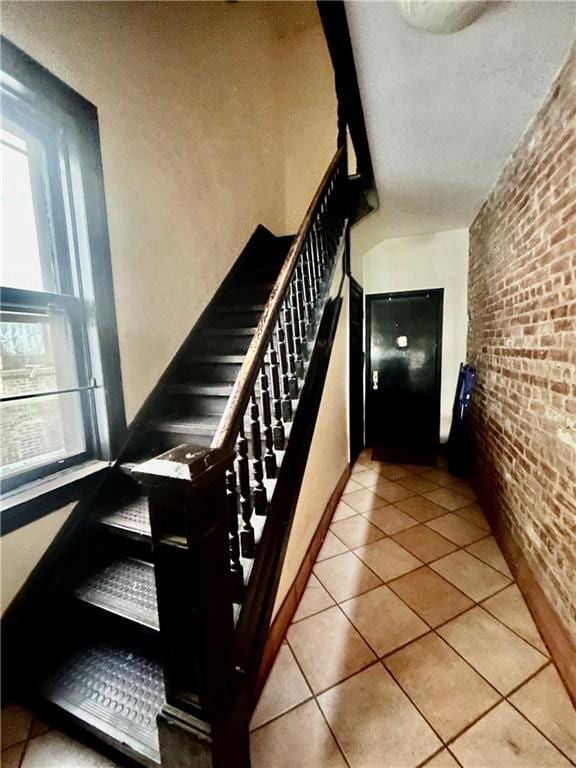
{"points": [[510, 608], [545, 702], [464, 488], [448, 692], [16, 723], [421, 509], [438, 476], [442, 760], [504, 739], [12, 756], [343, 511], [314, 599], [453, 527], [392, 492], [298, 739], [474, 514], [433, 598], [493, 650], [447, 499], [475, 579], [285, 688], [390, 519], [345, 576], [387, 559], [356, 531], [489, 552], [328, 648], [368, 478], [418, 469], [383, 620], [331, 546], [375, 723], [351, 487], [55, 750], [418, 484], [423, 543], [393, 472], [359, 466], [363, 500]]}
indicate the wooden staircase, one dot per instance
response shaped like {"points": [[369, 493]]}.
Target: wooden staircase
{"points": [[188, 521]]}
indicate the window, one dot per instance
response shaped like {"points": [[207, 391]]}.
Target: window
{"points": [[60, 387]]}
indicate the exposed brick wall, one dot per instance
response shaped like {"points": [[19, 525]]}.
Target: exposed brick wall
{"points": [[522, 337]]}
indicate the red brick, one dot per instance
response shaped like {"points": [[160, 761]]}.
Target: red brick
{"points": [[522, 338]]}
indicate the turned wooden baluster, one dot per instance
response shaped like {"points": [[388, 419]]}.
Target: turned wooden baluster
{"points": [[310, 277], [308, 298], [302, 314], [233, 539], [297, 328], [259, 491], [247, 543], [289, 331], [286, 401], [320, 250], [270, 466], [278, 426]]}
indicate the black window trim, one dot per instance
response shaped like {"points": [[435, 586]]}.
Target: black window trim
{"points": [[26, 85]]}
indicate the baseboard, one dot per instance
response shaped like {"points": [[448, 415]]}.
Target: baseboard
{"points": [[283, 618], [561, 647]]}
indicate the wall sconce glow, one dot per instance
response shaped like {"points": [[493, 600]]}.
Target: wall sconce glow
{"points": [[441, 17]]}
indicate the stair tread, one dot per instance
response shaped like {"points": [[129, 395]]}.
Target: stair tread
{"points": [[204, 425], [125, 587], [203, 390], [208, 358], [114, 689], [133, 516], [242, 331], [226, 309]]}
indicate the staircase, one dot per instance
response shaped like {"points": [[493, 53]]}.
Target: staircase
{"points": [[192, 519]]}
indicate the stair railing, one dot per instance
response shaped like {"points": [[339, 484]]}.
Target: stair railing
{"points": [[220, 517]]}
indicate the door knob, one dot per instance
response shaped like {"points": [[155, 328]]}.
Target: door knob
{"points": [[374, 379]]}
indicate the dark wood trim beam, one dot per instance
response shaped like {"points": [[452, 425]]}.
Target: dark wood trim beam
{"points": [[350, 112]]}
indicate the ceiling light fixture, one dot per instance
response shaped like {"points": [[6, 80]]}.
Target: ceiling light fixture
{"points": [[441, 17]]}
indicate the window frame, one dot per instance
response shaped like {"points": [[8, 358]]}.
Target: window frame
{"points": [[80, 259]]}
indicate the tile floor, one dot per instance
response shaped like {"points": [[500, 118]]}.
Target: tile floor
{"points": [[411, 646]]}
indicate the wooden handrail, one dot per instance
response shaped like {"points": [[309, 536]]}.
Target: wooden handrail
{"points": [[232, 418]]}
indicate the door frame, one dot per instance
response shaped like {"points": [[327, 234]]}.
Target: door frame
{"points": [[356, 410], [370, 298]]}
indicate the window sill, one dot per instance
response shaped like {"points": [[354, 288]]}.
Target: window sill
{"points": [[38, 499]]}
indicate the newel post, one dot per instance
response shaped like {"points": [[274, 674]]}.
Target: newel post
{"points": [[189, 519]]}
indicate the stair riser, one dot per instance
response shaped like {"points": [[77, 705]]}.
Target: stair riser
{"points": [[224, 373], [188, 405], [224, 345], [236, 319]]}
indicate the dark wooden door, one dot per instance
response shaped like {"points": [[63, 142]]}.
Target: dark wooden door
{"points": [[404, 336], [356, 359]]}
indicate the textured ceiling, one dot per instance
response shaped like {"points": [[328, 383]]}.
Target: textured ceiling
{"points": [[444, 112]]}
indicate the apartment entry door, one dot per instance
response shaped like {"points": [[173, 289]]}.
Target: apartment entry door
{"points": [[404, 340]]}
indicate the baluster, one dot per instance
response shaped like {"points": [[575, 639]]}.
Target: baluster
{"points": [[278, 426], [233, 539], [269, 455], [288, 330], [296, 327], [302, 312], [308, 298], [321, 249], [309, 270], [247, 542], [314, 261], [259, 491], [286, 401]]}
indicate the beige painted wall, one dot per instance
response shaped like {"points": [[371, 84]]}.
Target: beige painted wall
{"points": [[327, 460], [20, 551], [438, 260], [309, 107]]}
